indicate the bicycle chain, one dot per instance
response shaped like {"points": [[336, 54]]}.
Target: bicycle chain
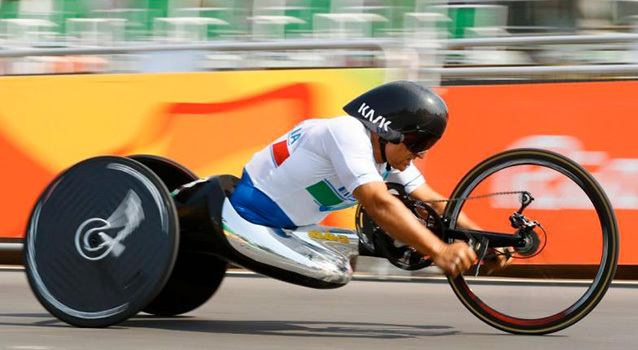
{"points": [[488, 195]]}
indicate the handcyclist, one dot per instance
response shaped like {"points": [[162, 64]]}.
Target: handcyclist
{"points": [[323, 165]]}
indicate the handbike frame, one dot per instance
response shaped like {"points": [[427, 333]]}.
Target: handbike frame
{"points": [[495, 239], [312, 256]]}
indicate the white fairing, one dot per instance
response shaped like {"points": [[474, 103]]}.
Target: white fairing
{"points": [[318, 252]]}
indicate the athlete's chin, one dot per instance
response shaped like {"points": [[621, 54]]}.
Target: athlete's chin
{"points": [[400, 164], [402, 167]]}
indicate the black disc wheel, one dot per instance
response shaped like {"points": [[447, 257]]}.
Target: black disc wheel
{"points": [[566, 248], [197, 273], [101, 242], [195, 278]]}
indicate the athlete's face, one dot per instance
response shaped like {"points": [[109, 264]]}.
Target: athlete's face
{"points": [[399, 156]]}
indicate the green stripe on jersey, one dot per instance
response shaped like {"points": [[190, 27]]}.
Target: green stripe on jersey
{"points": [[324, 194]]}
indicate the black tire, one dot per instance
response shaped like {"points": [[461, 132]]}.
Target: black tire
{"points": [[101, 279], [601, 275], [195, 279], [197, 274]]}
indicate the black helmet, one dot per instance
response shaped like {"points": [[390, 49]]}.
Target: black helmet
{"points": [[402, 111]]}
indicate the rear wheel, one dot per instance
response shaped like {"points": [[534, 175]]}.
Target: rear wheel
{"points": [[101, 242], [564, 263], [197, 274]]}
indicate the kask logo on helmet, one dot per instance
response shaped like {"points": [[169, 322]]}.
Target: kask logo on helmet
{"points": [[368, 113]]}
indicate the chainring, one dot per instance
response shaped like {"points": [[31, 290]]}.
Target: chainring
{"points": [[377, 241]]}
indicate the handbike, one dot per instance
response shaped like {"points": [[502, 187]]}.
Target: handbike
{"points": [[112, 236]]}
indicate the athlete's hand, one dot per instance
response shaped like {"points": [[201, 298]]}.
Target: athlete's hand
{"points": [[454, 258], [498, 262]]}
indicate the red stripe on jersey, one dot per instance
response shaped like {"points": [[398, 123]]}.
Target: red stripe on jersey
{"points": [[280, 152]]}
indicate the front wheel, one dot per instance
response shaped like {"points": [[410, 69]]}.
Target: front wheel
{"points": [[567, 245]]}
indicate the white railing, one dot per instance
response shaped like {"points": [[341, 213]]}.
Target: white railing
{"points": [[539, 40], [10, 247], [282, 45]]}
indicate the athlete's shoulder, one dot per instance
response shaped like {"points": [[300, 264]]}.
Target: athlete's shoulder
{"points": [[346, 126], [345, 121], [348, 134]]}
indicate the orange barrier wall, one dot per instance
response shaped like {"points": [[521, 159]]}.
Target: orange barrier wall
{"points": [[592, 123], [213, 122], [210, 122]]}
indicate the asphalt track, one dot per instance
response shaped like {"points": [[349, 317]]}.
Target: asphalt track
{"points": [[252, 312]]}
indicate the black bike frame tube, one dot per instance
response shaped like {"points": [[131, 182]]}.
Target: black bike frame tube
{"points": [[496, 239]]}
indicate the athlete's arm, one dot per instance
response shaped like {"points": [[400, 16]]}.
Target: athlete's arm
{"points": [[397, 220]]}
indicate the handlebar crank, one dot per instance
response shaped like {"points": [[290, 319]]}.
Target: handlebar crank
{"points": [[481, 252]]}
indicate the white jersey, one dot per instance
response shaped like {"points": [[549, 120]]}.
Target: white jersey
{"points": [[314, 168]]}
